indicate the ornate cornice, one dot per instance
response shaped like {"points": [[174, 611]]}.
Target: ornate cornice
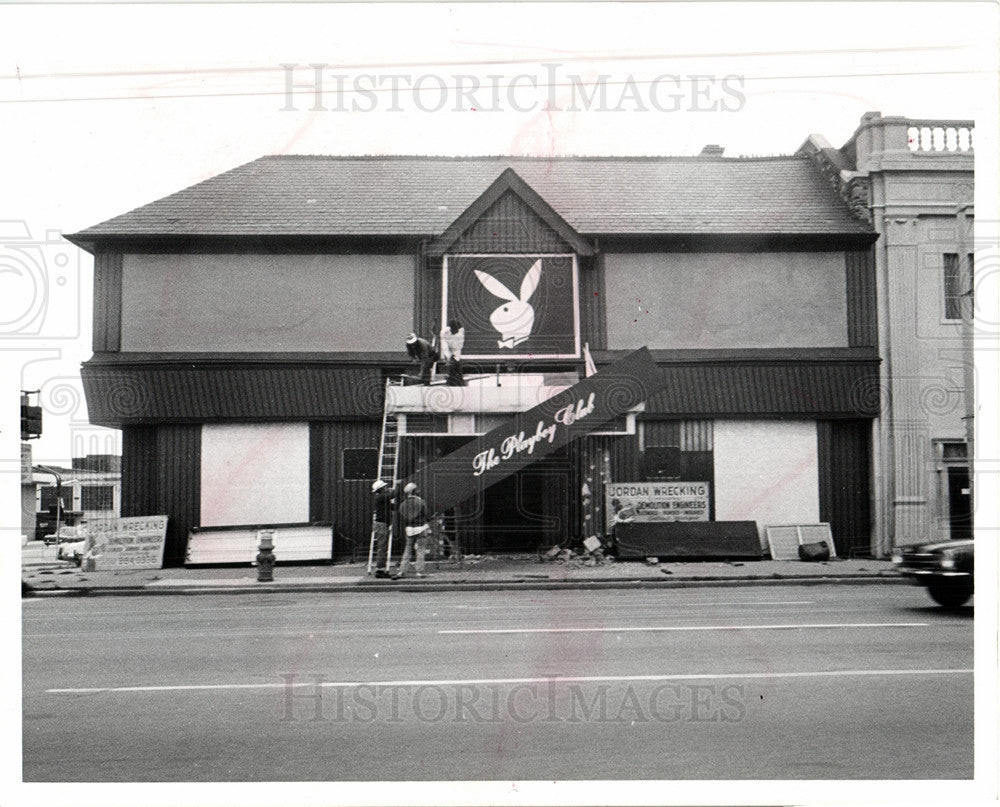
{"points": [[853, 187]]}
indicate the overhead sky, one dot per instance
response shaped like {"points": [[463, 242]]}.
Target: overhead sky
{"points": [[108, 107]]}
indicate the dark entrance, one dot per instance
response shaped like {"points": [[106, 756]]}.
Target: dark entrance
{"points": [[525, 511], [959, 509], [844, 486], [530, 509]]}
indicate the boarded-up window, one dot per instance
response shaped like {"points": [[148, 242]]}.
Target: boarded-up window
{"points": [[359, 463], [254, 474], [662, 462]]}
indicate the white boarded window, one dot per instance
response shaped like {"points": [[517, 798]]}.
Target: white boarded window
{"points": [[766, 471], [254, 474]]}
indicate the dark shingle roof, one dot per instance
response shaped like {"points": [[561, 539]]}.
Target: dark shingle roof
{"points": [[317, 195]]}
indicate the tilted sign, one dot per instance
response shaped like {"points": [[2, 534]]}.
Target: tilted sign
{"points": [[126, 543], [528, 437], [655, 501]]}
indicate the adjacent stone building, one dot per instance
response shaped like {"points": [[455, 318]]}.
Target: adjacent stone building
{"points": [[915, 179]]}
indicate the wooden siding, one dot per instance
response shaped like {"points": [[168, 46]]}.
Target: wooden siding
{"points": [[753, 389], [593, 314], [344, 503], [119, 395], [862, 312], [696, 435], [510, 226], [688, 435], [139, 469], [161, 475], [107, 316], [844, 482]]}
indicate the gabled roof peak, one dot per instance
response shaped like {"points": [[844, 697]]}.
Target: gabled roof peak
{"points": [[509, 181]]}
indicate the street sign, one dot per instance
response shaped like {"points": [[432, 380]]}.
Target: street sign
{"points": [[26, 478], [126, 543], [655, 501]]}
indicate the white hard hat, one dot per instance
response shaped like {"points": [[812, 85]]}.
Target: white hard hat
{"points": [[378, 484]]}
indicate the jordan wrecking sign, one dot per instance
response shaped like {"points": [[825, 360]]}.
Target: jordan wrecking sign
{"points": [[528, 437]]}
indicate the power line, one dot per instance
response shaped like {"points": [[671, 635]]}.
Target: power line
{"points": [[333, 91], [599, 57]]}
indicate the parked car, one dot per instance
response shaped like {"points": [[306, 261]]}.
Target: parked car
{"points": [[66, 534], [72, 550], [944, 568]]}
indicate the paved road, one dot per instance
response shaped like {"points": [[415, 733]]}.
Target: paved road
{"points": [[812, 682]]}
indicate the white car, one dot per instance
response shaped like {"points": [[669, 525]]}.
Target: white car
{"points": [[67, 535], [72, 550]]}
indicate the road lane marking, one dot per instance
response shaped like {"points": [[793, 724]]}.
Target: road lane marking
{"points": [[340, 608], [397, 628], [654, 629], [704, 604], [581, 679]]}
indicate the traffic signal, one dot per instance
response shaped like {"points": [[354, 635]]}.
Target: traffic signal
{"points": [[31, 422]]}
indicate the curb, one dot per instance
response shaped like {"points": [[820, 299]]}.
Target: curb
{"points": [[486, 585]]}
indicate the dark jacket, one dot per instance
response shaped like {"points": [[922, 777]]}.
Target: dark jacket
{"points": [[422, 350], [382, 505]]}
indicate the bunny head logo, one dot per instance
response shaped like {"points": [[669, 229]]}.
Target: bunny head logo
{"points": [[515, 317]]}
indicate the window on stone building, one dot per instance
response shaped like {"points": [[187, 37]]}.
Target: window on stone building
{"points": [[953, 289]]}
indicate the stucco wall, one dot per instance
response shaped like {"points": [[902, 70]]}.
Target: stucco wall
{"points": [[249, 303], [766, 471], [726, 300]]}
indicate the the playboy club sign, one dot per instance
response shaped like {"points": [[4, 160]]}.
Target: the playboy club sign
{"points": [[528, 437], [513, 306]]}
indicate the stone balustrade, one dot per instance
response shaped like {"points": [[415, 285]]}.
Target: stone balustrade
{"points": [[940, 136]]}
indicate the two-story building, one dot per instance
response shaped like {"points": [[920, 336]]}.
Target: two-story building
{"points": [[917, 179], [244, 329]]}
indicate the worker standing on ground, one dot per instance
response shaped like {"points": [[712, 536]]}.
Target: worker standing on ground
{"points": [[413, 515], [383, 497]]}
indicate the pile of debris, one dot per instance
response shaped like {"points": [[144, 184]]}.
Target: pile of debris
{"points": [[590, 554]]}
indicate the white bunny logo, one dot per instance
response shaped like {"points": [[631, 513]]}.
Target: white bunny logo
{"points": [[515, 318]]}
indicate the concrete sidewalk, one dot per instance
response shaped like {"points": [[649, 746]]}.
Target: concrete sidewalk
{"points": [[47, 575]]}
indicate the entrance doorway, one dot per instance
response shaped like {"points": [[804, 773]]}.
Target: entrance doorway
{"points": [[959, 503], [529, 509]]}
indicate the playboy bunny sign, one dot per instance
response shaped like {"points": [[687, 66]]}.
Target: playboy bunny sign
{"points": [[515, 317], [514, 306]]}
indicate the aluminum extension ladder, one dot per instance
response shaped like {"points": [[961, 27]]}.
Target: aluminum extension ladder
{"points": [[388, 468]]}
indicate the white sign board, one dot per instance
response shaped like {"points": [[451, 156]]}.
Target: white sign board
{"points": [[655, 501], [126, 543]]}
